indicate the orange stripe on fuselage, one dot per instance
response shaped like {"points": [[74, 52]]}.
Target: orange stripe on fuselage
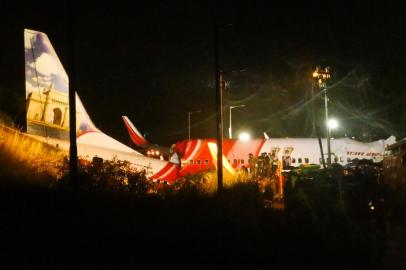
{"points": [[198, 151]]}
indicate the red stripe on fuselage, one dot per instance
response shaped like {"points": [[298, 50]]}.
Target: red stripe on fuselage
{"points": [[168, 173]]}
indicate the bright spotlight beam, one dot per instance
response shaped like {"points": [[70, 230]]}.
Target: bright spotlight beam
{"points": [[332, 123], [244, 136]]}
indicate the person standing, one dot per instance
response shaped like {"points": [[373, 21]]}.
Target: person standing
{"points": [[173, 155], [252, 164], [267, 165]]}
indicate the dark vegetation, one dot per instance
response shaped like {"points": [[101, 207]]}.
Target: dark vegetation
{"points": [[119, 219]]}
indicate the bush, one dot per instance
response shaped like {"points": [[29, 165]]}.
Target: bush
{"points": [[108, 175]]}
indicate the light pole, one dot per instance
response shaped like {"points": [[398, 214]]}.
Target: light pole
{"points": [[73, 150], [219, 111], [189, 114], [220, 86], [321, 76], [230, 133]]}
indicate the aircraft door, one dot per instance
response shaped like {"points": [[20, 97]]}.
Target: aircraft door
{"points": [[334, 158], [286, 162], [286, 158]]}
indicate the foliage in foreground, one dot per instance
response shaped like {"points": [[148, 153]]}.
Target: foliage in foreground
{"points": [[25, 159], [120, 176]]}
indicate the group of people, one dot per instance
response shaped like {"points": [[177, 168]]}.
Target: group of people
{"points": [[265, 165]]}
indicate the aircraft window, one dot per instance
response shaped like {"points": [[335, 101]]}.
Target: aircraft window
{"points": [[299, 160], [198, 162], [306, 160], [293, 160], [206, 162], [242, 161], [341, 159], [235, 161], [191, 162]]}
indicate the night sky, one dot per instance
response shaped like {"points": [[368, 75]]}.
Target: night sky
{"points": [[155, 63]]}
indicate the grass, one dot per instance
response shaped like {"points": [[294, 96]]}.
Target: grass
{"points": [[23, 158], [210, 180]]}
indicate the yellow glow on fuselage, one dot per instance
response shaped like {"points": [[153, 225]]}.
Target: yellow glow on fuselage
{"points": [[226, 164]]}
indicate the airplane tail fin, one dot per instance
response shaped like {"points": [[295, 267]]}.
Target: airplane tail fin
{"points": [[47, 91], [390, 140], [135, 135]]}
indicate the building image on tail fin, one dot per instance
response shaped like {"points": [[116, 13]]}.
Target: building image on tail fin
{"points": [[47, 91]]}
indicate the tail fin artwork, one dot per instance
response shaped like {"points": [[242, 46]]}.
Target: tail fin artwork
{"points": [[47, 92], [135, 135]]}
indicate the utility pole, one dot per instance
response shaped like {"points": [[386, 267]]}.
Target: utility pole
{"points": [[73, 151], [327, 127], [189, 114], [321, 147], [219, 113], [321, 76], [220, 86], [312, 113]]}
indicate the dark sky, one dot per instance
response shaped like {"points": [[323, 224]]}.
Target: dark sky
{"points": [[155, 62]]}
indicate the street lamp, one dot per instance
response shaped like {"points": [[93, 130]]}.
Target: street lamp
{"points": [[189, 114], [230, 133], [321, 76], [332, 123], [244, 136]]}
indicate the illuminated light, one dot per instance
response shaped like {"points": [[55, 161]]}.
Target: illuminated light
{"points": [[315, 74], [157, 153], [332, 123], [244, 136]]}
